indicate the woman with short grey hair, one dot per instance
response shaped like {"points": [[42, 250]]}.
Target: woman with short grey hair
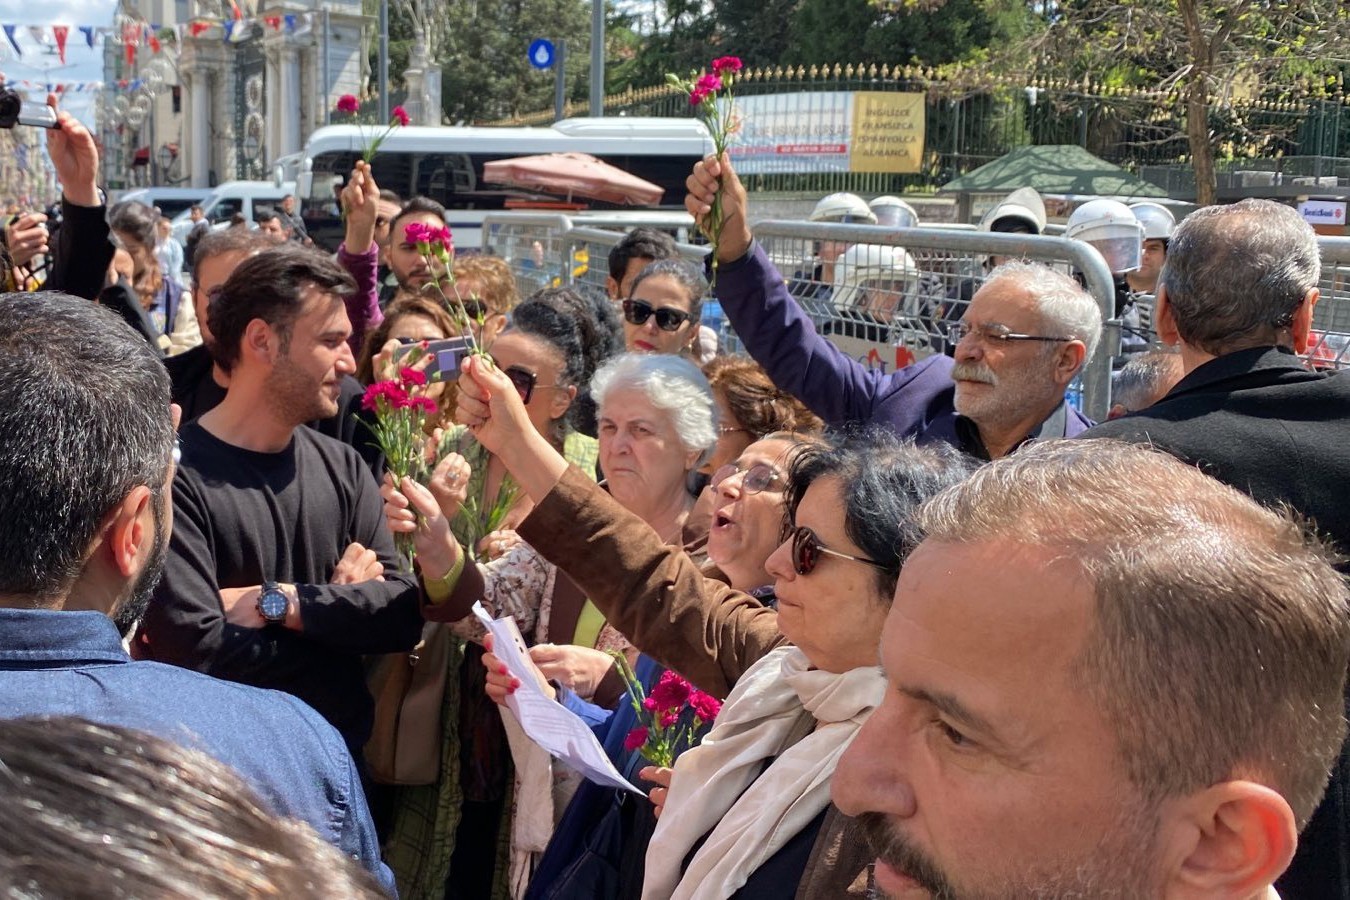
{"points": [[671, 384]]}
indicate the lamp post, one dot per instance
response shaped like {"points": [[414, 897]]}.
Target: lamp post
{"points": [[166, 158]]}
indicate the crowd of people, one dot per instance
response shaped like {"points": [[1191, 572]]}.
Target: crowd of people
{"points": [[950, 637]]}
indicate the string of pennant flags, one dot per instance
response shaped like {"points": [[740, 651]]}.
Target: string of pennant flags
{"points": [[135, 35]]}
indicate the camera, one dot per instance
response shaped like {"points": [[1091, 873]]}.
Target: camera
{"points": [[14, 110]]}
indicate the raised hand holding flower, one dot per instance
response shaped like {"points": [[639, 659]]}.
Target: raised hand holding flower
{"points": [[704, 90]]}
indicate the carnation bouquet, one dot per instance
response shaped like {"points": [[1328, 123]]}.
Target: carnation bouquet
{"points": [[349, 105], [704, 90], [480, 515], [669, 718], [401, 411]]}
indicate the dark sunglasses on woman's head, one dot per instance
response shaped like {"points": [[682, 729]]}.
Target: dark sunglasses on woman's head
{"points": [[667, 318], [757, 478], [807, 550]]}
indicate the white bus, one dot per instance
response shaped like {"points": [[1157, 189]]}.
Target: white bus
{"points": [[446, 164]]}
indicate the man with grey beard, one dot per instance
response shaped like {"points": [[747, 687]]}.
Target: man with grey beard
{"points": [[1026, 334]]}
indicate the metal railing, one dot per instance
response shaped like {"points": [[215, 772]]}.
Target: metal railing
{"points": [[885, 296]]}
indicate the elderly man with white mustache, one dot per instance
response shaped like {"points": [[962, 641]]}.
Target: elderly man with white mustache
{"points": [[1026, 334]]}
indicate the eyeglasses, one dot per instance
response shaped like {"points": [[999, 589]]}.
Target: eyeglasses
{"points": [[807, 549], [727, 429], [667, 319], [994, 334], [757, 478], [525, 382]]}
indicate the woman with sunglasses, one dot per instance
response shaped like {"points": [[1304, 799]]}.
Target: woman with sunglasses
{"points": [[604, 829], [448, 830], [487, 288], [662, 311], [747, 813]]}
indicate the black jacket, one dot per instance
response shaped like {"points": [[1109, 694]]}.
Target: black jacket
{"points": [[1259, 421]]}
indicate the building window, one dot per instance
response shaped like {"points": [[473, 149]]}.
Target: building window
{"points": [[177, 99]]}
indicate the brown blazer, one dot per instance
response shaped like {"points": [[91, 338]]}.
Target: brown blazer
{"points": [[707, 631]]}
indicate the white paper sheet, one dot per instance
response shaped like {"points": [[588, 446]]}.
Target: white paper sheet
{"points": [[547, 722]]}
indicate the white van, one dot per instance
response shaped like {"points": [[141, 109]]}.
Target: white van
{"points": [[171, 201], [232, 197]]}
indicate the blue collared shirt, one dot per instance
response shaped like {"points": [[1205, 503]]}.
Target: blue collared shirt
{"points": [[55, 663]]}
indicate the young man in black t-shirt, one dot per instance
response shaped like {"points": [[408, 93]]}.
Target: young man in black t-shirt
{"points": [[281, 569]]}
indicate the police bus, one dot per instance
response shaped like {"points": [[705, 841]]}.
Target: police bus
{"points": [[446, 164]]}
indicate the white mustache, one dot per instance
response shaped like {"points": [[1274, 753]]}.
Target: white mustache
{"points": [[966, 371]]}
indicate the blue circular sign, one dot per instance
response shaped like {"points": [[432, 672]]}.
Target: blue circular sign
{"points": [[541, 54]]}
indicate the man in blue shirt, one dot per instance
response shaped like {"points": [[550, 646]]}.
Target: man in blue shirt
{"points": [[86, 460]]}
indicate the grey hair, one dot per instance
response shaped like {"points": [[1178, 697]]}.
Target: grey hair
{"points": [[686, 274], [1065, 306], [673, 385], [1235, 275], [1146, 378], [84, 419]]}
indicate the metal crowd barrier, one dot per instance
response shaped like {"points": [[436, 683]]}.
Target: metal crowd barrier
{"points": [[883, 295], [1330, 345]]}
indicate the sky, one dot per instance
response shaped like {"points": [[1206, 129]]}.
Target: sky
{"points": [[41, 64]]}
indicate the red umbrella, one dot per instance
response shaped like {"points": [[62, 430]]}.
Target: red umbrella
{"points": [[573, 174]]}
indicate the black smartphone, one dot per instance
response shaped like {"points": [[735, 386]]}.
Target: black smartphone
{"points": [[445, 356]]}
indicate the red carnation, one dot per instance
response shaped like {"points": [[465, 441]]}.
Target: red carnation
{"points": [[636, 739], [670, 692], [348, 104], [417, 233], [708, 84], [706, 707], [412, 376], [724, 64], [400, 115], [425, 404]]}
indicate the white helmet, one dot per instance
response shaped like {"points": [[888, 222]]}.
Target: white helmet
{"points": [[1109, 226], [1023, 205], [843, 207], [1157, 220], [894, 212], [871, 276]]}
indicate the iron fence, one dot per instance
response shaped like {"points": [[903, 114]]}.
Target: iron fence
{"points": [[973, 118]]}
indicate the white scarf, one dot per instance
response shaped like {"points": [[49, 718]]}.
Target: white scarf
{"points": [[718, 786]]}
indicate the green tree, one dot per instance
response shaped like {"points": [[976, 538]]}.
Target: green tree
{"points": [[754, 30], [1211, 51], [904, 32], [484, 73]]}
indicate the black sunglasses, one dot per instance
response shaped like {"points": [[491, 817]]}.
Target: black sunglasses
{"points": [[807, 550], [476, 309], [757, 478], [667, 319], [525, 382]]}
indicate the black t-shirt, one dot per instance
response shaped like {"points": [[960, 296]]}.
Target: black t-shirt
{"points": [[242, 518]]}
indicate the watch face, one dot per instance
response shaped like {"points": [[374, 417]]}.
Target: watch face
{"points": [[272, 605]]}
